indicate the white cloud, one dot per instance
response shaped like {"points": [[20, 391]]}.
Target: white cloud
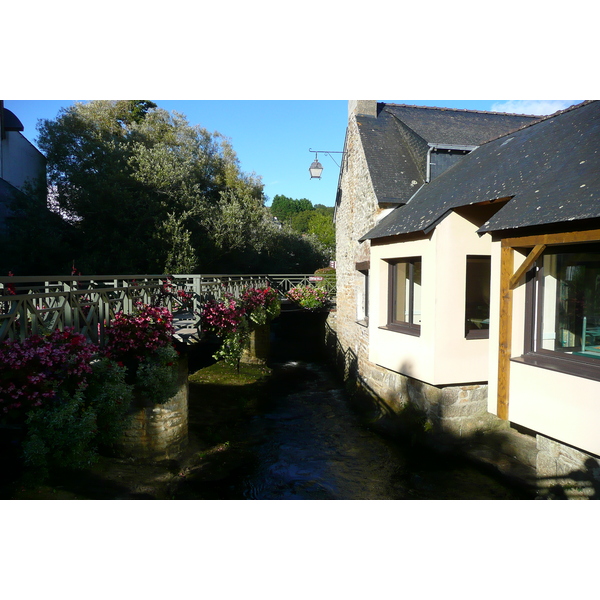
{"points": [[532, 107]]}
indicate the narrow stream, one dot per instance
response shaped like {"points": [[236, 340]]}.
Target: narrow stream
{"points": [[306, 443], [303, 441]]}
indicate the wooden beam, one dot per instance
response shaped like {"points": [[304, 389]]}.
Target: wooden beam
{"points": [[527, 263], [573, 237], [505, 341]]}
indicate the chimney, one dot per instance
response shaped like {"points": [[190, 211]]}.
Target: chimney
{"points": [[362, 107]]}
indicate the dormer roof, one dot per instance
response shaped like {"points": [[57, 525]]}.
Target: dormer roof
{"points": [[397, 140]]}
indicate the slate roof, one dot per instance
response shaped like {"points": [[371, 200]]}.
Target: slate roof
{"points": [[452, 126], [550, 169], [396, 141]]}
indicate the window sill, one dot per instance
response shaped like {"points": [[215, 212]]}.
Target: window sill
{"points": [[414, 330], [561, 364], [363, 322]]}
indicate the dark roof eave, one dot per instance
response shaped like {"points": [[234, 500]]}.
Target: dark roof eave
{"points": [[391, 201]]}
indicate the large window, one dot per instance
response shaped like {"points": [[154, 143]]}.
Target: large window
{"points": [[477, 295], [563, 296], [404, 304]]}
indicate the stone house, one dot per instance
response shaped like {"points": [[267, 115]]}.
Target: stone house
{"points": [[441, 217]]}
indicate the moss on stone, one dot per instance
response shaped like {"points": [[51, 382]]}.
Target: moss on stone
{"points": [[227, 375]]}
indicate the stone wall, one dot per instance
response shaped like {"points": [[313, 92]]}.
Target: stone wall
{"points": [[566, 472], [355, 215], [455, 409], [259, 346], [459, 411], [158, 431]]}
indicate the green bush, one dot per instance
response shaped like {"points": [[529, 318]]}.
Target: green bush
{"points": [[61, 435], [67, 432], [110, 398], [158, 375]]}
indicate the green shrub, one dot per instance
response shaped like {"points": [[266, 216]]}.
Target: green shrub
{"points": [[60, 434], [67, 432], [309, 297], [109, 397], [158, 375]]}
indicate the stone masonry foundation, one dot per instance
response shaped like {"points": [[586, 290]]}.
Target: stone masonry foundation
{"points": [[158, 431]]}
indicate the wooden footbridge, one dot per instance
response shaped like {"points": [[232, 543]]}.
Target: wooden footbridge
{"points": [[30, 305]]}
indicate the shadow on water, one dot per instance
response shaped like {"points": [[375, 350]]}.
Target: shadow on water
{"points": [[283, 432], [300, 439]]}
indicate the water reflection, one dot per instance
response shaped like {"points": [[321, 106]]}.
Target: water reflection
{"points": [[307, 444]]}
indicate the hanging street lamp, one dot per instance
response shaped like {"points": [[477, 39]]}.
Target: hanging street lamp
{"points": [[316, 168]]}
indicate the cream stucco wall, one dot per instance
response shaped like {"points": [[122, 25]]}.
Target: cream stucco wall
{"points": [[441, 355], [558, 405]]}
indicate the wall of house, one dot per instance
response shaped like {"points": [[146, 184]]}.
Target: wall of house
{"points": [[459, 409], [441, 355], [355, 215], [557, 405], [20, 160], [560, 409]]}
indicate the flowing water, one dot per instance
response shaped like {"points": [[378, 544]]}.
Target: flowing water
{"points": [[305, 443]]}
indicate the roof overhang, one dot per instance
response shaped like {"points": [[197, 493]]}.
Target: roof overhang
{"points": [[452, 147]]}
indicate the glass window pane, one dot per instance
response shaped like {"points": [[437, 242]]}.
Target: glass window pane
{"points": [[570, 313], [477, 309], [405, 280], [401, 302], [416, 308]]}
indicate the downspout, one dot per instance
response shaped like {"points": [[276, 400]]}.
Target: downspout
{"points": [[428, 174]]}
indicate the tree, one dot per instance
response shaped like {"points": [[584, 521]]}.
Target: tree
{"points": [[321, 225], [37, 241], [136, 181], [144, 191], [285, 208], [306, 219]]}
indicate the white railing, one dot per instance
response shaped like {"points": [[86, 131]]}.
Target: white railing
{"points": [[30, 305]]}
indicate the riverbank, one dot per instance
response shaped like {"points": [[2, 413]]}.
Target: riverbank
{"points": [[297, 410], [220, 400]]}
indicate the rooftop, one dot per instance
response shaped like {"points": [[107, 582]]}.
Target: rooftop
{"points": [[396, 142], [549, 168]]}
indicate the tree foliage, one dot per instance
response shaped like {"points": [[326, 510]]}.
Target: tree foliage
{"points": [[284, 208], [306, 219], [37, 241], [145, 191]]}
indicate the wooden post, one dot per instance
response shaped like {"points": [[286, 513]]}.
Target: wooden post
{"points": [[506, 272]]}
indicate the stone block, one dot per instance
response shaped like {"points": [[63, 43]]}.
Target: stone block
{"points": [[158, 431]]}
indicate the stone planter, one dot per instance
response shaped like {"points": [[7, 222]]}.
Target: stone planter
{"points": [[158, 431], [260, 345]]}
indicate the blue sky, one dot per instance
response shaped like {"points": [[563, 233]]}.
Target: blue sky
{"points": [[272, 138]]}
